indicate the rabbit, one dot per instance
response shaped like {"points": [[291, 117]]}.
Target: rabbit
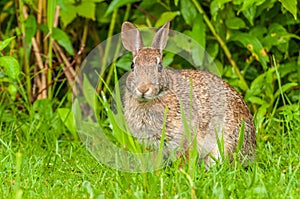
{"points": [[182, 104]]}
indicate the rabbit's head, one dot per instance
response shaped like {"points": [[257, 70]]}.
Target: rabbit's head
{"points": [[147, 79]]}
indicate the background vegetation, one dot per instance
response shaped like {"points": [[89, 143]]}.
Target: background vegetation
{"points": [[254, 43]]}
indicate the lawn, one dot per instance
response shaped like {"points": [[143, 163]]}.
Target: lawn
{"points": [[40, 159]]}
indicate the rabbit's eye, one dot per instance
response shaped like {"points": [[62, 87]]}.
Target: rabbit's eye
{"points": [[160, 67], [132, 65]]}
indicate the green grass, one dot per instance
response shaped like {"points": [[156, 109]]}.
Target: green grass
{"points": [[40, 159]]}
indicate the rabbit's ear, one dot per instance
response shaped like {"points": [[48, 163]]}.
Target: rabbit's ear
{"points": [[160, 38], [131, 38]]}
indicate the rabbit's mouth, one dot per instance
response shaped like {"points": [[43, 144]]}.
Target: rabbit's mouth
{"points": [[145, 98], [146, 93]]}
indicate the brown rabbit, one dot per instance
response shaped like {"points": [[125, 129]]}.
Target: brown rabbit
{"points": [[190, 103]]}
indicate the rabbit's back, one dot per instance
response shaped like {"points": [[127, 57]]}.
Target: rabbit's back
{"points": [[218, 110]]}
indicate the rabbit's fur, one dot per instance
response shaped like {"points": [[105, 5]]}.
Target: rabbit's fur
{"points": [[156, 96]]}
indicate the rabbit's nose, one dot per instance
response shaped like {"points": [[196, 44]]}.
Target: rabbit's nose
{"points": [[145, 89]]}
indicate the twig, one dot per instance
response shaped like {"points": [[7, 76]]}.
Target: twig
{"points": [[55, 23], [41, 66], [41, 83], [42, 90], [77, 56], [67, 69], [82, 45], [36, 82], [39, 20]]}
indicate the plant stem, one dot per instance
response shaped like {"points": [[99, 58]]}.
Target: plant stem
{"points": [[85, 32], [113, 65], [22, 9], [51, 11], [221, 42], [82, 44], [49, 74], [107, 49]]}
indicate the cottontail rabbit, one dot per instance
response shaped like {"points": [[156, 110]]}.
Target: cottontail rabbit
{"points": [[182, 103]]}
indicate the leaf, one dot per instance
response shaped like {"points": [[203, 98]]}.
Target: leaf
{"points": [[278, 35], [213, 49], [259, 84], [261, 115], [67, 117], [125, 62], [5, 43], [249, 13], [62, 38], [166, 16], [217, 5], [168, 59], [13, 90], [77, 113], [287, 68], [43, 108], [264, 8], [151, 5], [84, 8], [291, 6], [100, 15], [183, 43], [188, 11], [284, 88], [218, 68], [250, 3], [43, 28], [11, 66], [89, 93], [235, 23], [30, 28], [237, 84], [253, 45], [67, 15], [256, 100], [87, 10], [197, 56], [198, 34], [259, 31], [198, 31], [116, 4]]}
